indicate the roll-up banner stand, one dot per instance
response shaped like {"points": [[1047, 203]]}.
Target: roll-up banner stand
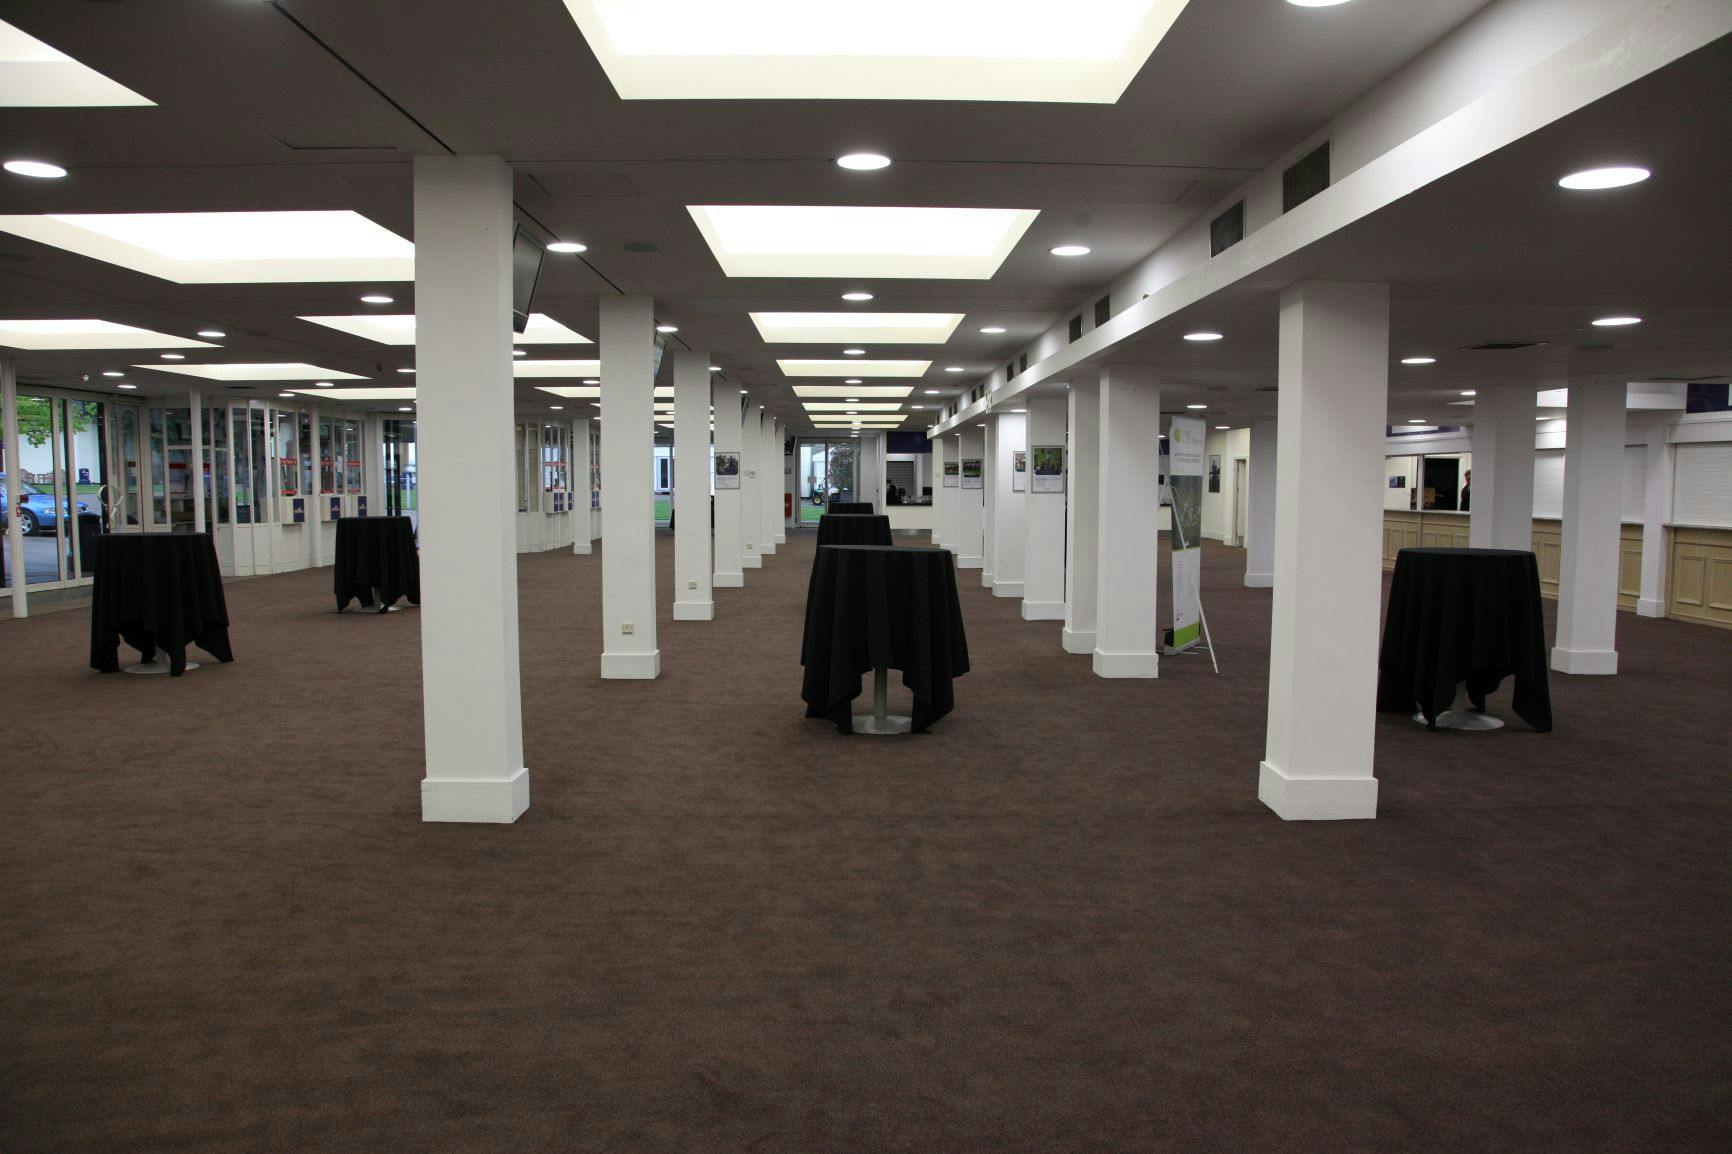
{"points": [[1185, 486]]}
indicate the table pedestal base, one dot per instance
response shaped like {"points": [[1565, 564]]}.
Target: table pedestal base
{"points": [[1461, 715], [881, 721], [157, 665]]}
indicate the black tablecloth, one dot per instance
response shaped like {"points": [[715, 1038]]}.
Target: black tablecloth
{"points": [[1464, 615], [872, 606], [853, 529], [851, 507], [376, 553], [157, 591]]}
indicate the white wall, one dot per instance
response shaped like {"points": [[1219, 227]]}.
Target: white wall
{"points": [[1218, 507]]}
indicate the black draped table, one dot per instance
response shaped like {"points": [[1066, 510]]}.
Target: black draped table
{"points": [[1467, 618], [376, 554], [854, 529], [874, 607], [851, 507], [157, 591]]}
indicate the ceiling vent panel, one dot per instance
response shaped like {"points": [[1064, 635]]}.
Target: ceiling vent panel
{"points": [[1501, 346]]}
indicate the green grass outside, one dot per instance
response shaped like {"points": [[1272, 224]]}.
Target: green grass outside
{"points": [[810, 513], [664, 508]]}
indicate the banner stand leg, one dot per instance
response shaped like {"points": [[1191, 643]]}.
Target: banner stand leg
{"points": [[1202, 613]]}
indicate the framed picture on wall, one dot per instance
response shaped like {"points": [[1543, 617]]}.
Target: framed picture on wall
{"points": [[1018, 470], [727, 470], [1048, 468], [1214, 472]]}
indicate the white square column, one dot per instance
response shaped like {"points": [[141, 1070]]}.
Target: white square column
{"points": [[769, 483], [989, 502], [1009, 507], [1501, 509], [1127, 631], [1333, 414], [729, 514], [692, 561], [1043, 550], [1260, 507], [970, 541], [472, 703], [1082, 485], [580, 486], [1586, 640], [940, 499], [751, 505], [628, 535], [1656, 515]]}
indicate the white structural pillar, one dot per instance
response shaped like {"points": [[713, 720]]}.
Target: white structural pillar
{"points": [[1656, 515], [1009, 507], [15, 571], [1043, 521], [1593, 500], [769, 480], [940, 499], [472, 707], [1127, 632], [1082, 514], [1333, 409], [692, 563], [1260, 507], [628, 535], [195, 408], [1501, 509], [580, 485], [970, 503], [782, 468], [751, 508], [989, 505], [729, 544]]}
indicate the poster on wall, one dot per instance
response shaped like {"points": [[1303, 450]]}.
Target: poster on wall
{"points": [[952, 473], [1214, 472], [971, 473], [1185, 487], [727, 470], [1048, 468], [1018, 470]]}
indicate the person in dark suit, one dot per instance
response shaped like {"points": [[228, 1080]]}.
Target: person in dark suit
{"points": [[1466, 489]]}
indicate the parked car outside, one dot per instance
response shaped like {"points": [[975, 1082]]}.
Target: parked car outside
{"points": [[37, 514]]}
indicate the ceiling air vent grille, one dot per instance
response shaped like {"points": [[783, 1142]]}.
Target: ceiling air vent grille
{"points": [[1502, 346], [1227, 230], [1308, 176]]}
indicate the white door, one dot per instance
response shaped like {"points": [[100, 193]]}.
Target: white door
{"points": [[1241, 492]]}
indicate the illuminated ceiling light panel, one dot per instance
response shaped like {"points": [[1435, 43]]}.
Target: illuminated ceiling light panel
{"points": [[839, 328], [850, 423], [557, 368], [33, 75], [821, 392], [853, 406], [387, 394], [43, 335], [399, 329], [278, 371], [1012, 50], [593, 392], [852, 367], [860, 241], [229, 247]]}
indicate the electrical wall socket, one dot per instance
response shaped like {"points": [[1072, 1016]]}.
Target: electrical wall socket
{"points": [[691, 584], [627, 628]]}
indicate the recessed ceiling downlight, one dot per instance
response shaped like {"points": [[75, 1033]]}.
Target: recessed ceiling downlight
{"points": [[1202, 337], [1071, 250], [1616, 322], [567, 246], [376, 299], [1315, 3], [1419, 360], [857, 296], [863, 161], [1617, 176], [40, 169], [992, 330], [667, 328]]}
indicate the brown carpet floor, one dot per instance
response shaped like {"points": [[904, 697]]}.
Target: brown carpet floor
{"points": [[1060, 922]]}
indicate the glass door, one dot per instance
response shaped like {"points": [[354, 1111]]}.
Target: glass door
{"points": [[828, 473], [60, 469], [399, 459]]}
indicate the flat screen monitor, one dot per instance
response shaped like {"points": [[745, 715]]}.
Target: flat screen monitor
{"points": [[526, 254]]}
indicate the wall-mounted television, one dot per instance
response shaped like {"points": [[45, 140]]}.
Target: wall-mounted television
{"points": [[526, 254]]}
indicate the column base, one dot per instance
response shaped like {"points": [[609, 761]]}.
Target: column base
{"points": [[583, 548], [497, 800], [769, 548], [1316, 798], [751, 561], [727, 580], [1600, 661], [1078, 640], [985, 579], [970, 562], [1259, 580], [1043, 611], [1007, 588], [1127, 664], [631, 666], [694, 610], [1650, 607], [781, 538]]}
